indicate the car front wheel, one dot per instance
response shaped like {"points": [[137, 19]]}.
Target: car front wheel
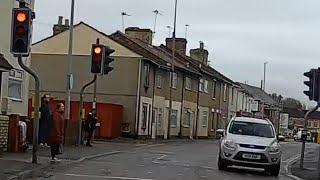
{"points": [[222, 165], [273, 170]]}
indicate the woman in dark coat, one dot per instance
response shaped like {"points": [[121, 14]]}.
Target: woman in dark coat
{"points": [[57, 131], [45, 122]]}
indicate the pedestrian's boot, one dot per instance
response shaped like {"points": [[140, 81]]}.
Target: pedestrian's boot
{"points": [[89, 145]]}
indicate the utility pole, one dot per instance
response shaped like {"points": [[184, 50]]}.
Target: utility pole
{"points": [[172, 66], [70, 73], [264, 75], [122, 16], [186, 32], [156, 13], [169, 28]]}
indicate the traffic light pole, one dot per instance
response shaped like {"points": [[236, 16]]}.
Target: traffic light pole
{"points": [[80, 141], [36, 109], [305, 128]]}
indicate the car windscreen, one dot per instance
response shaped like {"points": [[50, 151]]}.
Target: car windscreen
{"points": [[251, 129]]}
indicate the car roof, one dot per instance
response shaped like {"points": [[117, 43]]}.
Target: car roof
{"points": [[252, 120]]}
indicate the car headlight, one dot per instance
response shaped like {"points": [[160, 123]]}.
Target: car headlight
{"points": [[230, 144], [275, 148]]}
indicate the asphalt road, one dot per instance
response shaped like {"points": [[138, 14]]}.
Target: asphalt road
{"points": [[172, 161]]}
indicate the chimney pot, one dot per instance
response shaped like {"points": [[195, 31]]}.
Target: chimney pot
{"points": [[60, 20], [201, 45], [66, 23], [200, 54]]}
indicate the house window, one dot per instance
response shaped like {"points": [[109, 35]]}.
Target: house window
{"points": [[186, 117], [206, 89], [15, 84], [201, 85], [315, 124], [225, 92], [174, 118], [159, 81], [189, 83], [175, 80], [146, 69], [309, 123], [204, 118], [144, 115], [214, 83]]}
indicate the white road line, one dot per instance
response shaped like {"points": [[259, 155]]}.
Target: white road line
{"points": [[105, 177], [289, 162], [161, 157]]}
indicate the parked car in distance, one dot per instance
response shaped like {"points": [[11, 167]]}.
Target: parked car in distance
{"points": [[281, 138]]}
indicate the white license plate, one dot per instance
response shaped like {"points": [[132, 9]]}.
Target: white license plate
{"points": [[251, 156]]}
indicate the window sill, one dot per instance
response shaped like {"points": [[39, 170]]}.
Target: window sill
{"points": [[172, 126], [214, 98], [190, 90], [15, 99], [159, 87], [204, 125], [186, 126]]}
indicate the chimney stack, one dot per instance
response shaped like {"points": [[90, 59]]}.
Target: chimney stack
{"points": [[66, 23], [59, 28], [60, 18], [144, 35], [200, 54], [181, 45]]}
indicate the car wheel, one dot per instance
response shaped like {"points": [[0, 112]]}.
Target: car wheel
{"points": [[273, 170], [222, 165]]}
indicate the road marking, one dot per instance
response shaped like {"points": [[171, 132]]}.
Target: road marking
{"points": [[289, 162], [161, 152], [105, 177], [161, 157]]}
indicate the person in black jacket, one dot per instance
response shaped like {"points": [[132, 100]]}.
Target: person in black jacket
{"points": [[45, 122], [91, 125]]}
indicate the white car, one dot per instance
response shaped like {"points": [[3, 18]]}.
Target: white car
{"points": [[250, 142]]}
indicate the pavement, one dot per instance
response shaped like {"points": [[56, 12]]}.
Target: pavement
{"points": [[311, 169]]}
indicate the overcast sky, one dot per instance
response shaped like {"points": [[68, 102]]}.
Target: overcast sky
{"points": [[240, 35]]}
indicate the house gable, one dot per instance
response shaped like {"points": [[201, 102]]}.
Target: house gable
{"points": [[84, 37]]}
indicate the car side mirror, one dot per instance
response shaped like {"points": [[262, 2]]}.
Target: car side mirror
{"points": [[221, 132]]}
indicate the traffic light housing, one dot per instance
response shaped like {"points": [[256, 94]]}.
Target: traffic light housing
{"points": [[21, 31], [313, 83], [97, 55], [107, 60]]}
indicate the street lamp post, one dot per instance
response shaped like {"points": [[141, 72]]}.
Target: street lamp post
{"points": [[70, 75], [264, 75], [172, 66]]}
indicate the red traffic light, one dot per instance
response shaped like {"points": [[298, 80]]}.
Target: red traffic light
{"points": [[21, 17], [97, 50]]}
